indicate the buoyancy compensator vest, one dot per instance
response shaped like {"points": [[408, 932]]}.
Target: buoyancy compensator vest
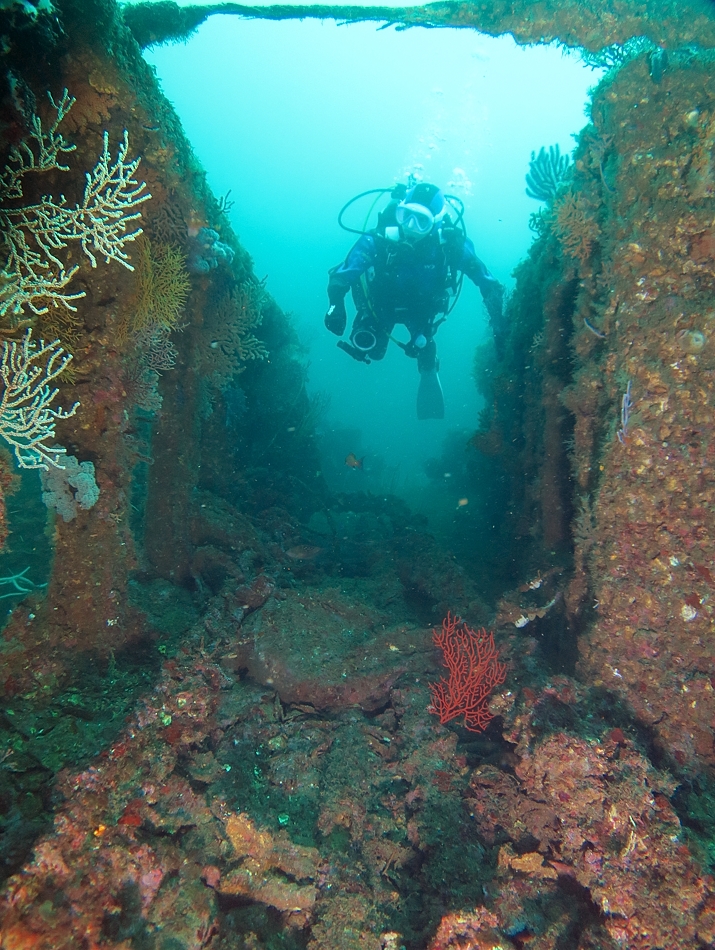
{"points": [[423, 277]]}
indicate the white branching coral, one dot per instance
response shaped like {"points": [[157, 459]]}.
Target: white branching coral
{"points": [[34, 276], [27, 419]]}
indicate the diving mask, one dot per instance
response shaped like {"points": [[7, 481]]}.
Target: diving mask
{"points": [[414, 219]]}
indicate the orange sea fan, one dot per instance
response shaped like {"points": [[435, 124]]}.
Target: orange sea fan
{"points": [[575, 226]]}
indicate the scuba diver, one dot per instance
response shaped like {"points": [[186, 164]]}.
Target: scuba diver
{"points": [[409, 270]]}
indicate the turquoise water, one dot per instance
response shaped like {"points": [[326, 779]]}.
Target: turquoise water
{"points": [[294, 118]]}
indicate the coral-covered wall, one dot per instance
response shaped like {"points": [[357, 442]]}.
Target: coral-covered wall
{"points": [[150, 361], [624, 270], [650, 639]]}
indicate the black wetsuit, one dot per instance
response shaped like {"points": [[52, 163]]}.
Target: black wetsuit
{"points": [[398, 282]]}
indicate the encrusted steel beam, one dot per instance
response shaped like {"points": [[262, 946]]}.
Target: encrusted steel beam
{"points": [[667, 23]]}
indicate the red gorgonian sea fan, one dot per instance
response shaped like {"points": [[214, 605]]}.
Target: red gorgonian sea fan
{"points": [[474, 671]]}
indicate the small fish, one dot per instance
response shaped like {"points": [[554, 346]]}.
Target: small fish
{"points": [[303, 552], [352, 461]]}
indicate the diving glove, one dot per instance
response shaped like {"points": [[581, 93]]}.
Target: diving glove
{"points": [[336, 318]]}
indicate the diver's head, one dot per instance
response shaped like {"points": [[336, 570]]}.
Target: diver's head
{"points": [[420, 210]]}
